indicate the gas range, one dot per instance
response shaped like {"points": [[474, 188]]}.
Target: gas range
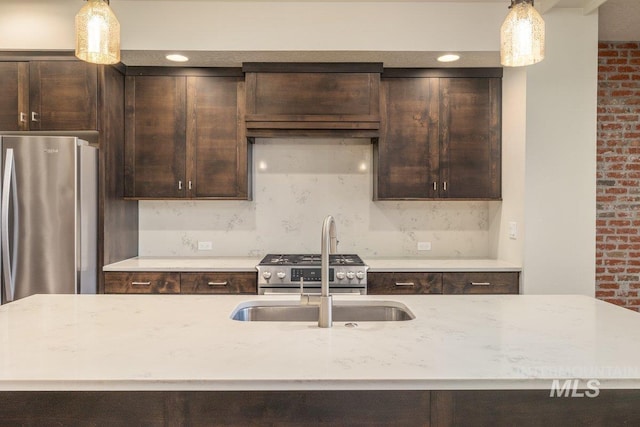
{"points": [[280, 273]]}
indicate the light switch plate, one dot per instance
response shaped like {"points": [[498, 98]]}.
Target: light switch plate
{"points": [[513, 230], [205, 246], [424, 246]]}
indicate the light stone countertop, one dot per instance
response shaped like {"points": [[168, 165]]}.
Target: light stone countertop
{"points": [[189, 342], [249, 263]]}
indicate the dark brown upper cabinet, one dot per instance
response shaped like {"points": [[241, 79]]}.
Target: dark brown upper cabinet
{"points": [[185, 135], [48, 95], [440, 135], [311, 99]]}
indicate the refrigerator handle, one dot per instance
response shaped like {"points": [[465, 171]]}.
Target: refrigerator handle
{"points": [[9, 189]]}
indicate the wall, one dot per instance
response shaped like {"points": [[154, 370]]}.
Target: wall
{"points": [[514, 125], [297, 182], [618, 197], [561, 99]]}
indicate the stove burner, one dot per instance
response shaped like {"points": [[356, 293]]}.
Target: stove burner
{"points": [[311, 259]]}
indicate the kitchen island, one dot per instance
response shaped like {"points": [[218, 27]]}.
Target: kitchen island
{"points": [[174, 360]]}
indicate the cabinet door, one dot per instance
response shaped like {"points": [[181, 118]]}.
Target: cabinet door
{"points": [[155, 137], [470, 134], [219, 283], [141, 283], [407, 152], [14, 102], [63, 95], [216, 141], [404, 283], [481, 283]]}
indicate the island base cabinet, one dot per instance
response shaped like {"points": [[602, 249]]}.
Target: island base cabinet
{"points": [[520, 408]]}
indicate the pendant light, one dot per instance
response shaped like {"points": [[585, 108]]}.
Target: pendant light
{"points": [[97, 33], [522, 35]]}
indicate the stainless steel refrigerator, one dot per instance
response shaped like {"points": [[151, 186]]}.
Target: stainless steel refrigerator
{"points": [[48, 225]]}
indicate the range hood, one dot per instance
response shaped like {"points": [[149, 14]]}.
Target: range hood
{"points": [[312, 99]]}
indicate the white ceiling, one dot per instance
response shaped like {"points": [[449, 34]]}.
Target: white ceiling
{"points": [[619, 20]]}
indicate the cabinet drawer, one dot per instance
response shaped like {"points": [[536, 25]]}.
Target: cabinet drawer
{"points": [[141, 283], [404, 283], [480, 283], [219, 283]]}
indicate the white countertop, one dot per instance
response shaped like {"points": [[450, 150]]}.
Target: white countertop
{"points": [[185, 264], [438, 265], [249, 264], [188, 342]]}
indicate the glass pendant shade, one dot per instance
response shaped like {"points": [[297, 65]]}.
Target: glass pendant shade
{"points": [[522, 35], [97, 33]]}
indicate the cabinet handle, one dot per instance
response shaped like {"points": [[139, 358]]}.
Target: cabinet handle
{"points": [[225, 283], [480, 284], [435, 186], [444, 186], [190, 185], [411, 284], [23, 118], [179, 185], [35, 116], [141, 283]]}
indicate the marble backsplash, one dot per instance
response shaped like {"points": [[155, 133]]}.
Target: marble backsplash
{"points": [[296, 183]]}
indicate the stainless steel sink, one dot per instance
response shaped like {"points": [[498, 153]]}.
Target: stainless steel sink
{"points": [[287, 311]]}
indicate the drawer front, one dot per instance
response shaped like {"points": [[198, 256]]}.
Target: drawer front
{"points": [[404, 283], [219, 283], [141, 283], [480, 283]]}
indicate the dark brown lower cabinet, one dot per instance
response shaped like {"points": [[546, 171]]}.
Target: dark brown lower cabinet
{"points": [[416, 283], [180, 283], [520, 408], [141, 283], [480, 283], [218, 283], [404, 283]]}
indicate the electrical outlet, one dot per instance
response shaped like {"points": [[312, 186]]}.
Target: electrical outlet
{"points": [[424, 246], [513, 230], [205, 246]]}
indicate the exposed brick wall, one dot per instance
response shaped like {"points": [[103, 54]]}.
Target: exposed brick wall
{"points": [[618, 175]]}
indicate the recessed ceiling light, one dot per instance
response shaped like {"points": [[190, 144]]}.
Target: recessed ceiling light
{"points": [[448, 58], [175, 57]]}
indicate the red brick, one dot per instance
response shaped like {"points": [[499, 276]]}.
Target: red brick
{"points": [[608, 53]]}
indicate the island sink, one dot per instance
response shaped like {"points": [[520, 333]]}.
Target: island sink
{"points": [[343, 311]]}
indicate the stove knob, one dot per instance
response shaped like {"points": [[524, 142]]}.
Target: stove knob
{"points": [[266, 275], [360, 275], [281, 274], [340, 275], [350, 275]]}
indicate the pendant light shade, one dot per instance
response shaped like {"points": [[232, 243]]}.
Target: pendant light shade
{"points": [[522, 35], [97, 33]]}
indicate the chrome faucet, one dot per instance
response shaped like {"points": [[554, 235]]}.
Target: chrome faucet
{"points": [[329, 245]]}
